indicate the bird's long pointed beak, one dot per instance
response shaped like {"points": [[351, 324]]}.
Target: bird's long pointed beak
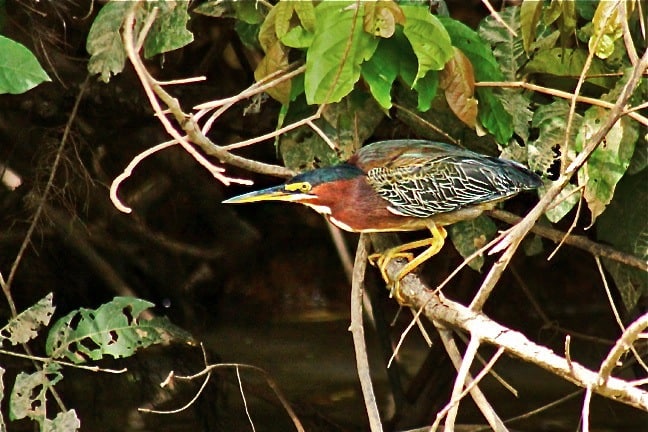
{"points": [[275, 193]]}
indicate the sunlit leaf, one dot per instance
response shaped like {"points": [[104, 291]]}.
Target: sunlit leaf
{"points": [[306, 12], [26, 325], [284, 12], [625, 226], [169, 31], [115, 328], [331, 69], [608, 162], [458, 80], [469, 236], [608, 27], [429, 39], [298, 37], [107, 55]]}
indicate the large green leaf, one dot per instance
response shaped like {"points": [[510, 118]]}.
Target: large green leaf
{"points": [[608, 162], [469, 236], [169, 31], [473, 46], [26, 325], [107, 55], [331, 69], [429, 39], [381, 70], [115, 329], [493, 116], [19, 68], [624, 225]]}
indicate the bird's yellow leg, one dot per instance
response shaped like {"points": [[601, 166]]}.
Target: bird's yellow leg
{"points": [[435, 244], [382, 259]]}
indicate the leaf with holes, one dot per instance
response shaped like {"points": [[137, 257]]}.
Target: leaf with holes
{"points": [[67, 421], [29, 394], [19, 68], [26, 325], [471, 235], [114, 328]]}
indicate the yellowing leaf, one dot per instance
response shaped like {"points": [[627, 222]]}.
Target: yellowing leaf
{"points": [[530, 12], [381, 18], [276, 58], [458, 80], [607, 29]]}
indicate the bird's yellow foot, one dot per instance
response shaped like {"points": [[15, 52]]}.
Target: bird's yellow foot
{"points": [[382, 260]]}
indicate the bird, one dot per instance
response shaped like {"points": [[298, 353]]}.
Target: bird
{"points": [[403, 185]]}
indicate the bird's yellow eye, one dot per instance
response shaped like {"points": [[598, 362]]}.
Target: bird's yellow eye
{"points": [[303, 187]]}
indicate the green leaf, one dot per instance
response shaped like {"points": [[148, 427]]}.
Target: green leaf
{"points": [[608, 162], [298, 37], [479, 52], [625, 226], [429, 39], [107, 55], [169, 31], [381, 70], [29, 394], [469, 236], [115, 328], [27, 324], [517, 103], [19, 68], [426, 88], [331, 70], [566, 62], [530, 12], [564, 202], [493, 116], [306, 12], [508, 49]]}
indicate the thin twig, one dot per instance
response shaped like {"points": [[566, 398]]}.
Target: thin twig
{"points": [[357, 331], [562, 94]]}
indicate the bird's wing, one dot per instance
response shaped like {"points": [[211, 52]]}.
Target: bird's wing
{"points": [[424, 186]]}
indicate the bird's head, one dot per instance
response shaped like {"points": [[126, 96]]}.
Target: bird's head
{"points": [[318, 188]]}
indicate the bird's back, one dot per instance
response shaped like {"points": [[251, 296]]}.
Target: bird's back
{"points": [[424, 178]]}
